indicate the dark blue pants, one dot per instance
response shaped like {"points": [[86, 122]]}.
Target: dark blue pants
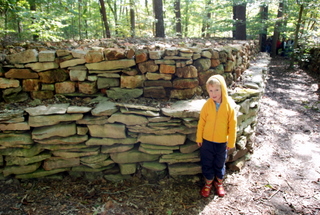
{"points": [[213, 158]]}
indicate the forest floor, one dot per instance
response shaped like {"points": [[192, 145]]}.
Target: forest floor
{"points": [[281, 177]]}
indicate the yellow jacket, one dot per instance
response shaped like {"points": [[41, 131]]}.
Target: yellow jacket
{"points": [[218, 126]]}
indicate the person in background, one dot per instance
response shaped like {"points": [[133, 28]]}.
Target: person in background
{"points": [[216, 133]]}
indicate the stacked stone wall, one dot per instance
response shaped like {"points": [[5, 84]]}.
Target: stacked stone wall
{"points": [[116, 137]]}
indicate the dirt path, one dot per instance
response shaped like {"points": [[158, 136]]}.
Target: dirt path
{"points": [[282, 176]]}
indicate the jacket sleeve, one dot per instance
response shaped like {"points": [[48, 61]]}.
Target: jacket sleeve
{"points": [[232, 128], [201, 124]]}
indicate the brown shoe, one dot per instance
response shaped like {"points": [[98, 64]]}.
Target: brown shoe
{"points": [[219, 187], [205, 192]]}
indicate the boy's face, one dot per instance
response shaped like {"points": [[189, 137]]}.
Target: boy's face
{"points": [[214, 92]]}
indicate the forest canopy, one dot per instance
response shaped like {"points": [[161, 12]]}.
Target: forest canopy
{"points": [[53, 20]]}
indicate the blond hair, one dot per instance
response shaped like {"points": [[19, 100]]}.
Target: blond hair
{"points": [[212, 81]]}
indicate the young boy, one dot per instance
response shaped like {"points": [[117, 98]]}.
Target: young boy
{"points": [[216, 134]]}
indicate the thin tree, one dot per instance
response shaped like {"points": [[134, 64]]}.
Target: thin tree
{"points": [[186, 18], [239, 17], [206, 22], [114, 10], [33, 7], [276, 32], [79, 18], [104, 18], [158, 15], [132, 19], [177, 10], [264, 32], [296, 34]]}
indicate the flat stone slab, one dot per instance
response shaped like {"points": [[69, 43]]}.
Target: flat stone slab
{"points": [[184, 109], [47, 109]]}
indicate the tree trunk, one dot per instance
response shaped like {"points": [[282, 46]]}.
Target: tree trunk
{"points": [[296, 33], [79, 18], [178, 18], [276, 32], [158, 13], [239, 17], [132, 19], [104, 18], [264, 33], [206, 21], [33, 7], [186, 19]]}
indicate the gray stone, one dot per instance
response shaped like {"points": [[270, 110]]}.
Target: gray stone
{"points": [[171, 123], [102, 164], [60, 130], [30, 55], [107, 82], [76, 153], [132, 156], [128, 168], [58, 163], [202, 65], [159, 119], [93, 120], [40, 67], [14, 140], [158, 147], [8, 83], [22, 161], [25, 152], [239, 94], [78, 109], [111, 64], [185, 169], [164, 140], [155, 166], [128, 119], [78, 75], [184, 109], [88, 169], [72, 62], [116, 148], [108, 130], [126, 94], [157, 76], [6, 114], [155, 151], [177, 157], [110, 141], [64, 140], [160, 130], [8, 170], [189, 147], [94, 159], [47, 109], [39, 121], [64, 147], [104, 108], [81, 130], [41, 173], [184, 94], [139, 107], [20, 126], [140, 112], [47, 55]]}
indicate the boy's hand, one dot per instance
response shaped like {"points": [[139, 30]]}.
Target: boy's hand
{"points": [[199, 144], [228, 148]]}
